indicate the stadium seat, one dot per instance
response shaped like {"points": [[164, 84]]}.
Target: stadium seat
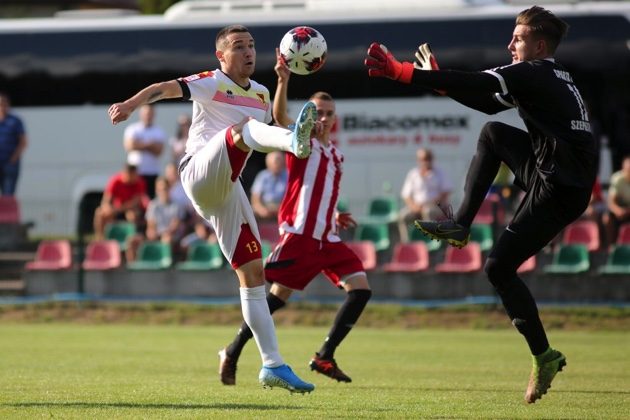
{"points": [[9, 209], [102, 255], [269, 232], [569, 259], [378, 234], [585, 232], [623, 238], [409, 257], [342, 205], [482, 234], [202, 256], [486, 213], [528, 265], [120, 232], [416, 236], [618, 260], [366, 252], [465, 260], [152, 255], [383, 209], [52, 255], [267, 249]]}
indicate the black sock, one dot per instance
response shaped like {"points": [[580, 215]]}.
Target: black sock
{"points": [[244, 334], [522, 310], [346, 317]]}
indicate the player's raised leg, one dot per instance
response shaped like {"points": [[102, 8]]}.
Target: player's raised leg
{"points": [[265, 138]]}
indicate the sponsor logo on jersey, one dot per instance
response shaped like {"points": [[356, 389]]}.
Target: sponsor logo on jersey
{"points": [[198, 76]]}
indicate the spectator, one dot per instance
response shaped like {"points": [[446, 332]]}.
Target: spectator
{"points": [[269, 187], [164, 221], [424, 188], [178, 142], [123, 199], [618, 200], [201, 232], [176, 189], [144, 143], [12, 145]]}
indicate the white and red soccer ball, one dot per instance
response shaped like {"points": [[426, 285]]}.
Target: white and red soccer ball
{"points": [[303, 49]]}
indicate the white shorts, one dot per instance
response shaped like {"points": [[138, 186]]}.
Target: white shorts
{"points": [[211, 181]]}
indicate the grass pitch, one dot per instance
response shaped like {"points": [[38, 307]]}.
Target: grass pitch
{"points": [[135, 371]]}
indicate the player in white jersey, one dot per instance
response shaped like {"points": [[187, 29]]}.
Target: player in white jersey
{"points": [[309, 241], [230, 117]]}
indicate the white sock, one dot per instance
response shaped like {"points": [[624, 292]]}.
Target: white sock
{"points": [[266, 138], [256, 314]]}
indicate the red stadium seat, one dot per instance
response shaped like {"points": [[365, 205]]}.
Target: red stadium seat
{"points": [[528, 265], [409, 257], [623, 238], [9, 209], [366, 251], [465, 260], [486, 216], [102, 255], [52, 255], [585, 232]]}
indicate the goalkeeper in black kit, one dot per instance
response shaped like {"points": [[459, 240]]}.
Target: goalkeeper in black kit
{"points": [[554, 161]]}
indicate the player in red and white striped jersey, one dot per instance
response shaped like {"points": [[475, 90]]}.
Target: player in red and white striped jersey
{"points": [[309, 242]]}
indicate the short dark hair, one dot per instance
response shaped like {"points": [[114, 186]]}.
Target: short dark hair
{"points": [[224, 32], [545, 25], [325, 96]]}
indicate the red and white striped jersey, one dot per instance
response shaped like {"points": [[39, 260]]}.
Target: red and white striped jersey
{"points": [[310, 202]]}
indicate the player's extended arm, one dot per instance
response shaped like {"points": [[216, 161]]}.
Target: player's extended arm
{"points": [[280, 107], [120, 111], [381, 63]]}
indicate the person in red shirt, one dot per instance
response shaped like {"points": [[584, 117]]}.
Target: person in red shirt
{"points": [[124, 198]]}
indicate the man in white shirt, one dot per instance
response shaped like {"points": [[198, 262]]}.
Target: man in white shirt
{"points": [[144, 142], [425, 189]]}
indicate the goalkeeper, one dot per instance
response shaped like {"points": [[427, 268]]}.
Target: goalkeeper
{"points": [[554, 161]]}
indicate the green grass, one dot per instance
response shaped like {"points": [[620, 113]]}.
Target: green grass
{"points": [[164, 371]]}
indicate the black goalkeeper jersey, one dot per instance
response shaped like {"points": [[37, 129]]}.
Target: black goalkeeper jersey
{"points": [[549, 103]]}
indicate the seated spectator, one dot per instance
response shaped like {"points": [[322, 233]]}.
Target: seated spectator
{"points": [[164, 221], [596, 206], [177, 143], [124, 198], [424, 188], [202, 232], [269, 187], [618, 201]]}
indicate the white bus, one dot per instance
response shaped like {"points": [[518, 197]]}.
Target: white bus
{"points": [[62, 73]]}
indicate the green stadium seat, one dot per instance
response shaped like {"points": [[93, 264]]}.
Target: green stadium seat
{"points": [[482, 234], [381, 210], [202, 256], [618, 261], [152, 256], [416, 235], [378, 234], [267, 249], [342, 205], [569, 259], [120, 232]]}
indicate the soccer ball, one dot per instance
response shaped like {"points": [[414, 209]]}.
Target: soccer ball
{"points": [[303, 50]]}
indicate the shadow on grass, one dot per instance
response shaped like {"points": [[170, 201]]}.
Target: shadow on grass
{"points": [[80, 404], [488, 390]]}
